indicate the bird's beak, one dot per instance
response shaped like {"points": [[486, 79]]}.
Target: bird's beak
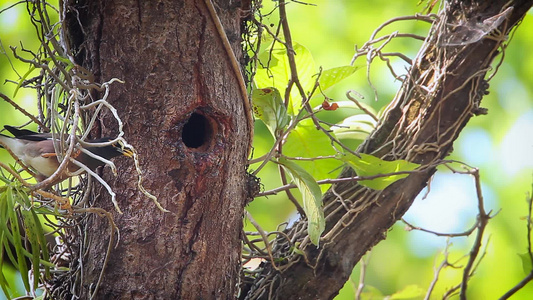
{"points": [[127, 152], [123, 149]]}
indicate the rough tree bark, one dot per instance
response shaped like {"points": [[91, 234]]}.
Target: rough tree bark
{"points": [[183, 111]]}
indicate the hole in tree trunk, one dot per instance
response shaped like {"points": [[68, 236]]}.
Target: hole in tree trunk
{"points": [[197, 132]]}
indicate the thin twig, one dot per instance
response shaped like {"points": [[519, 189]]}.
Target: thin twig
{"points": [[436, 272], [332, 181], [264, 236], [363, 263], [464, 233], [483, 219], [361, 107]]}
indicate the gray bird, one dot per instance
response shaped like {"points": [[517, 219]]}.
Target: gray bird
{"points": [[36, 150]]}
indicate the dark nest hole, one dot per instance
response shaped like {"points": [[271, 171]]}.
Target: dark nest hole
{"points": [[197, 132]]}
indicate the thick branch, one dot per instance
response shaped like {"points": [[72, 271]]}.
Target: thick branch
{"points": [[440, 94]]}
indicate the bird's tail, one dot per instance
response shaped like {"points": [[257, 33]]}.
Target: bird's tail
{"points": [[19, 132]]}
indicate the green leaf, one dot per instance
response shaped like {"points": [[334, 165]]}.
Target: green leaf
{"points": [[296, 249], [23, 79], [21, 227], [4, 283], [332, 76], [409, 292], [274, 71], [19, 249], [369, 165], [6, 207], [269, 108], [312, 198], [35, 236], [527, 265], [307, 141], [41, 236], [356, 127], [29, 226]]}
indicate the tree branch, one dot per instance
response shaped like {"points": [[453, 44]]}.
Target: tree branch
{"points": [[441, 92]]}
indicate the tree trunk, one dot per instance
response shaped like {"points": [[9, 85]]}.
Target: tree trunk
{"points": [[183, 111], [441, 93]]}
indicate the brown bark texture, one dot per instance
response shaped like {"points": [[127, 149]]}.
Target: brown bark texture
{"points": [[441, 93], [183, 111]]}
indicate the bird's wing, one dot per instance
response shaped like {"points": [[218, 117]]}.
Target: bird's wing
{"points": [[25, 134], [39, 155]]}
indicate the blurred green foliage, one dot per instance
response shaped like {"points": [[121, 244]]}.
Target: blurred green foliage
{"points": [[500, 144]]}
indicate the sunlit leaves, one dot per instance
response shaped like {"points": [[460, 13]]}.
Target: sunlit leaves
{"points": [[332, 76], [527, 264], [369, 165], [21, 238], [311, 196], [269, 108], [308, 142], [356, 127], [274, 71], [296, 134]]}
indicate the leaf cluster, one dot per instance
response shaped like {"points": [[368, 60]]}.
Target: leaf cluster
{"points": [[289, 97]]}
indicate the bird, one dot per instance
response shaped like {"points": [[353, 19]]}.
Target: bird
{"points": [[36, 150]]}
